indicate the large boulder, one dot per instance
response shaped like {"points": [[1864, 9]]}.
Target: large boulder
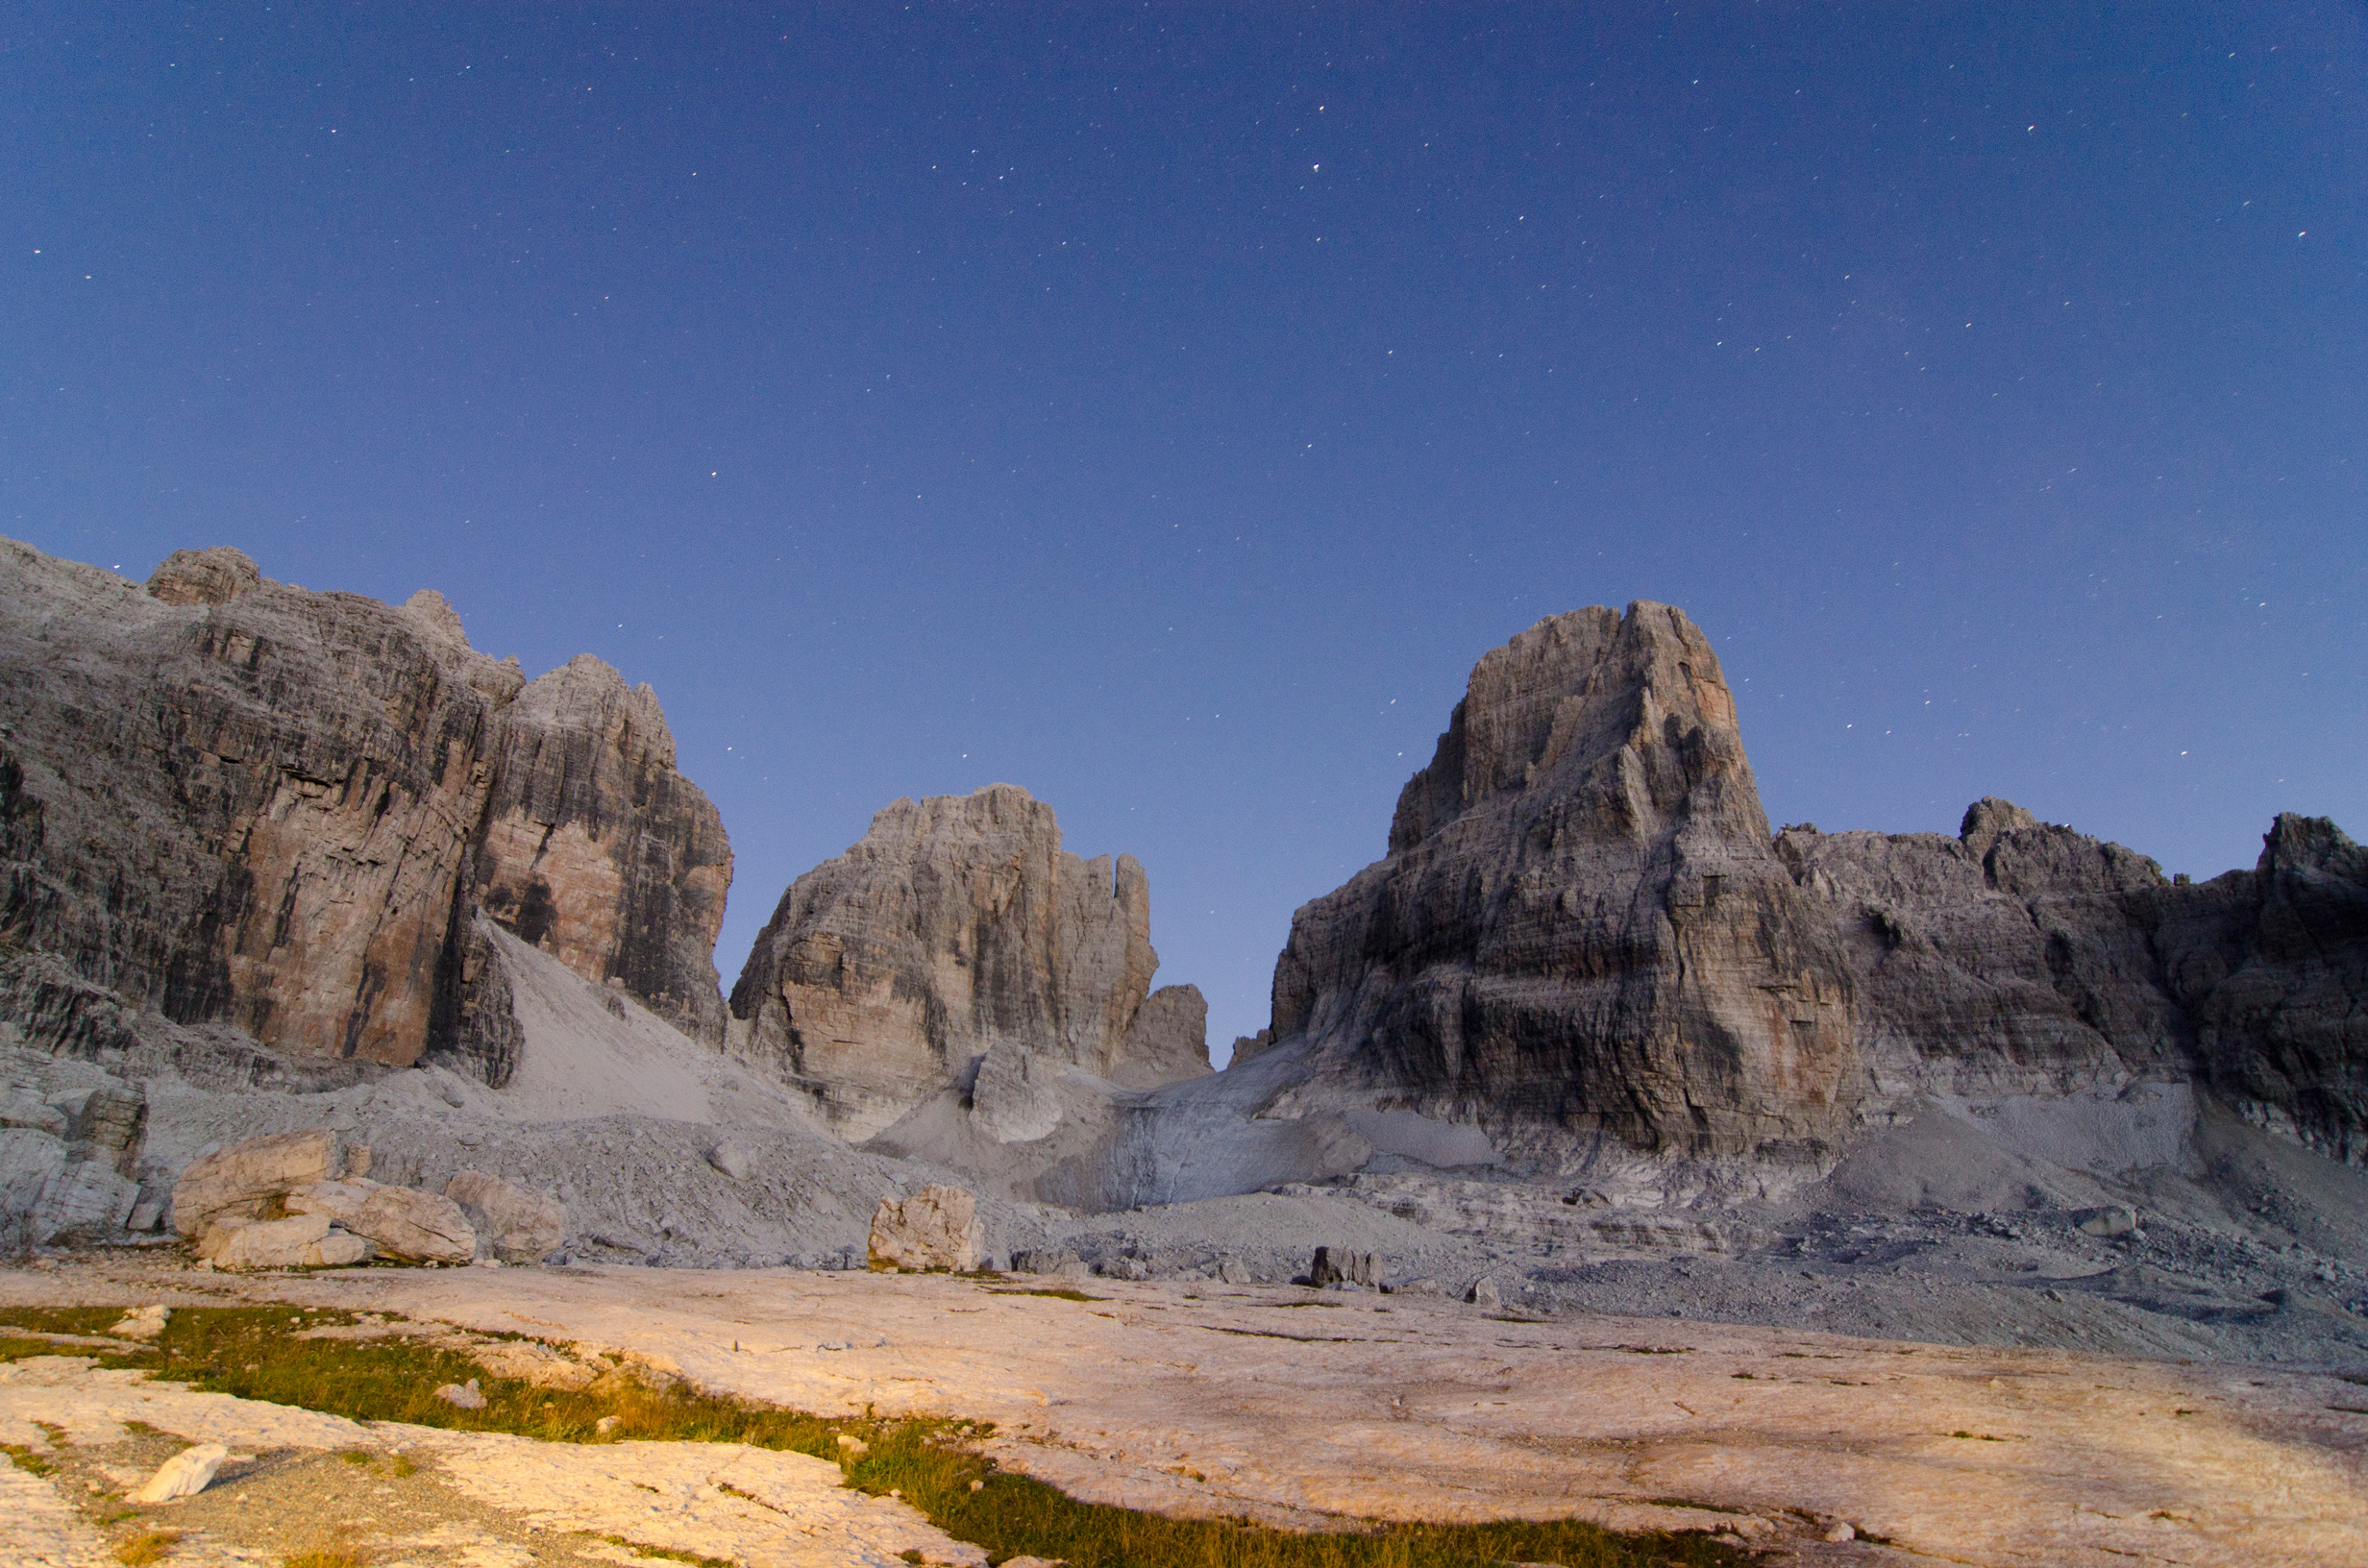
{"points": [[956, 925], [936, 1228], [247, 1179], [522, 1226], [295, 1242], [424, 1227], [405, 1221]]}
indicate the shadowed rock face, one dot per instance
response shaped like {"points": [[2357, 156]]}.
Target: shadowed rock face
{"points": [[1583, 928], [959, 922], [597, 851], [2282, 1031], [229, 799]]}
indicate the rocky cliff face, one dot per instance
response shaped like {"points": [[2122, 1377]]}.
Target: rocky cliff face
{"points": [[1584, 931], [596, 851], [225, 799], [956, 924], [2274, 970], [1581, 929]]}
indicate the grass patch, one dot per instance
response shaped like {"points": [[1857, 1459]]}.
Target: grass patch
{"points": [[254, 1353], [1011, 1516], [26, 1459], [671, 1554], [147, 1547], [1057, 1294], [325, 1557]]}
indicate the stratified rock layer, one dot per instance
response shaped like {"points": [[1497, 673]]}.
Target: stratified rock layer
{"points": [[959, 922], [1584, 928], [228, 801], [1581, 928]]}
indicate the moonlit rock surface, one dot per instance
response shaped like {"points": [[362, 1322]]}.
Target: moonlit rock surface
{"points": [[1585, 942], [186, 1474], [958, 923], [234, 801], [937, 1227]]}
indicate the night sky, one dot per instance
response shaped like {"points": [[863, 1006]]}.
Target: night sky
{"points": [[1162, 408]]}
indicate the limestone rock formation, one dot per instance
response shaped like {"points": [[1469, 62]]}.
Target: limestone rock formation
{"points": [[233, 800], [2017, 958], [1584, 940], [956, 925], [1581, 928], [596, 851], [407, 1222], [2277, 992], [226, 800]]}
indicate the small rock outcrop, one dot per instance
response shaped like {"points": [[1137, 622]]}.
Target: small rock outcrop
{"points": [[186, 1474], [248, 1179], [936, 1228], [264, 1202], [294, 1241], [70, 1141], [521, 1226], [958, 930], [1339, 1265]]}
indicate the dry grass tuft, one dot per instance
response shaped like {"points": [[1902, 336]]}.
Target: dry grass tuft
{"points": [[147, 1547]]}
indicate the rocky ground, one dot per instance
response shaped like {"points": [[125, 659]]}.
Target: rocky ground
{"points": [[1298, 1406], [400, 1496]]}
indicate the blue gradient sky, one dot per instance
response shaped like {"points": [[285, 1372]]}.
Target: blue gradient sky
{"points": [[1161, 407]]}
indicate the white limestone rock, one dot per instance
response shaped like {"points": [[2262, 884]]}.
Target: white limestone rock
{"points": [[937, 1228], [1013, 1099], [522, 1226], [297, 1242], [957, 923], [247, 1178], [422, 1227], [186, 1474], [142, 1323], [405, 1221]]}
